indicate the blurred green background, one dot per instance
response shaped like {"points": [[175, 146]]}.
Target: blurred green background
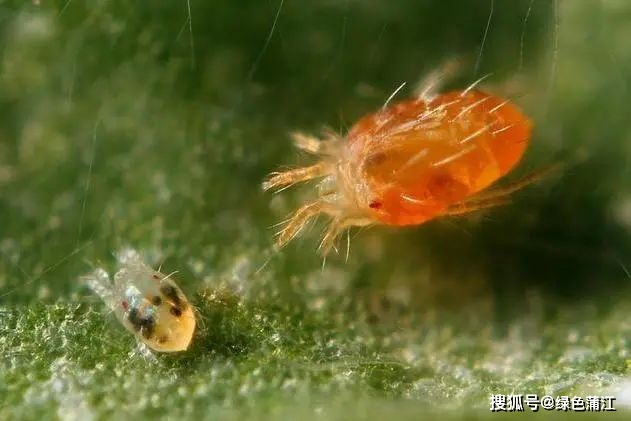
{"points": [[152, 125]]}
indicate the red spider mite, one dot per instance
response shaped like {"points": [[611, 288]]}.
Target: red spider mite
{"points": [[410, 162]]}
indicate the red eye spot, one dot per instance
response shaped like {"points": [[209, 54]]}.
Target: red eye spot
{"points": [[375, 204], [125, 305]]}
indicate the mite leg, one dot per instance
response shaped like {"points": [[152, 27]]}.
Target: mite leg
{"points": [[314, 145], [335, 228], [291, 177], [99, 282], [498, 196], [431, 84], [128, 256], [503, 191], [298, 220], [473, 206], [307, 143], [145, 351]]}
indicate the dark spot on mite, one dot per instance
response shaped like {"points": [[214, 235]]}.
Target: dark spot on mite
{"points": [[446, 188], [375, 159], [156, 300], [375, 204], [134, 319], [171, 293], [162, 339], [176, 311], [147, 327], [156, 277]]}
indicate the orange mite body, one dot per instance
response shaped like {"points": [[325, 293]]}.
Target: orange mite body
{"points": [[417, 165], [410, 162]]}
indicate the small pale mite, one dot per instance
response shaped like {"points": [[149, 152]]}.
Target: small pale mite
{"points": [[147, 302]]}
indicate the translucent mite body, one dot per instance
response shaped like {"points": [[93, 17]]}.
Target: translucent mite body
{"points": [[148, 303], [410, 162]]}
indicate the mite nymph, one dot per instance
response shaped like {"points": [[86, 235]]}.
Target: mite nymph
{"points": [[147, 302]]}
